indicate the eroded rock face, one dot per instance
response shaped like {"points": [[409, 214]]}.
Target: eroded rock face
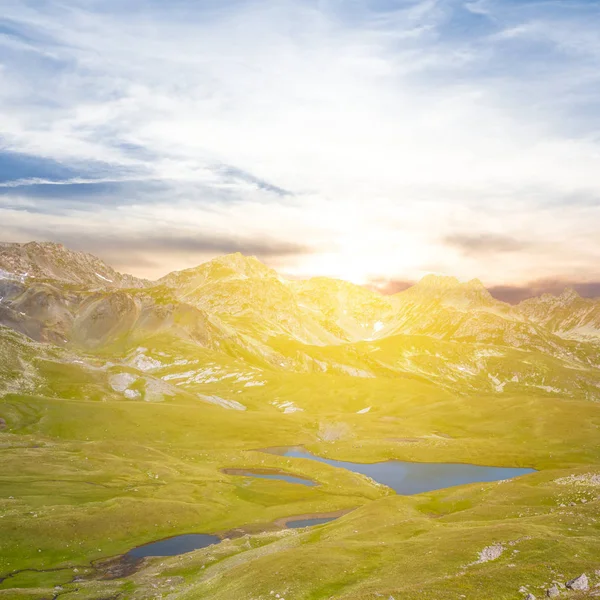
{"points": [[579, 583], [46, 260]]}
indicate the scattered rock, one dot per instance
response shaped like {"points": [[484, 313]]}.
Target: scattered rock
{"points": [[333, 432], [155, 390], [579, 583], [553, 592], [530, 597], [490, 553], [586, 479], [2, 423]]}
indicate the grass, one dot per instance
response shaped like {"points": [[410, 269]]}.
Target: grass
{"points": [[91, 478]]}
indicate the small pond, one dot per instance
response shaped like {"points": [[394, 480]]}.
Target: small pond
{"points": [[179, 544], [408, 478], [299, 523]]}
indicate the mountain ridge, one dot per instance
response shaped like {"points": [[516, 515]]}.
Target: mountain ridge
{"points": [[10, 252], [234, 308], [49, 260]]}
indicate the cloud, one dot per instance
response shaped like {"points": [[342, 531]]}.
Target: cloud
{"points": [[177, 244], [392, 136], [513, 294], [516, 294], [15, 166], [153, 252], [387, 287], [485, 243]]}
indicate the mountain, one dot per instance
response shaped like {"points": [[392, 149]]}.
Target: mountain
{"points": [[234, 308], [357, 312], [49, 261], [567, 315]]}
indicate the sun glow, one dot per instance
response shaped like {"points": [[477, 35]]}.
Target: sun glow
{"points": [[364, 258]]}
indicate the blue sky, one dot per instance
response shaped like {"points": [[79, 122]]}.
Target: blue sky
{"points": [[373, 140]]}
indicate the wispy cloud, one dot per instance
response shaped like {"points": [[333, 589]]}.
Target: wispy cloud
{"points": [[150, 253], [393, 136], [514, 294], [481, 244]]}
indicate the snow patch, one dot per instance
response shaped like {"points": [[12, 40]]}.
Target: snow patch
{"points": [[363, 411], [498, 385], [146, 363], [212, 374], [104, 278], [287, 407], [13, 276]]}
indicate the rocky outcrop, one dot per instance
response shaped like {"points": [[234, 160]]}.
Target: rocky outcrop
{"points": [[579, 583]]}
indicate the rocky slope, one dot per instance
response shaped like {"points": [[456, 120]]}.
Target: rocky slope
{"points": [[45, 260], [567, 315]]}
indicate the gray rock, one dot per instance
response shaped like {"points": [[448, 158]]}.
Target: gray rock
{"points": [[579, 583], [553, 592], [121, 381], [530, 597]]}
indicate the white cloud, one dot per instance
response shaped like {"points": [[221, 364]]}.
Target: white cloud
{"points": [[390, 128]]}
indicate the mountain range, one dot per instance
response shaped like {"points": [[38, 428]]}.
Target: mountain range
{"points": [[140, 339]]}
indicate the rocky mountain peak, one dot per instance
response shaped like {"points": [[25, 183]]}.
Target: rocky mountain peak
{"points": [[48, 260], [229, 267], [569, 295], [448, 289]]}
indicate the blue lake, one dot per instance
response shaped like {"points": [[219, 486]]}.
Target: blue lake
{"points": [[408, 478]]}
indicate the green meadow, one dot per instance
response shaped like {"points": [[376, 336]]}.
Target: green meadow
{"points": [[86, 480]]}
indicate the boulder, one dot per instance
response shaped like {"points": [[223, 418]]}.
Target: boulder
{"points": [[579, 583]]}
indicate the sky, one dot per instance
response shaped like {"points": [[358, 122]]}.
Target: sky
{"points": [[370, 140]]}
